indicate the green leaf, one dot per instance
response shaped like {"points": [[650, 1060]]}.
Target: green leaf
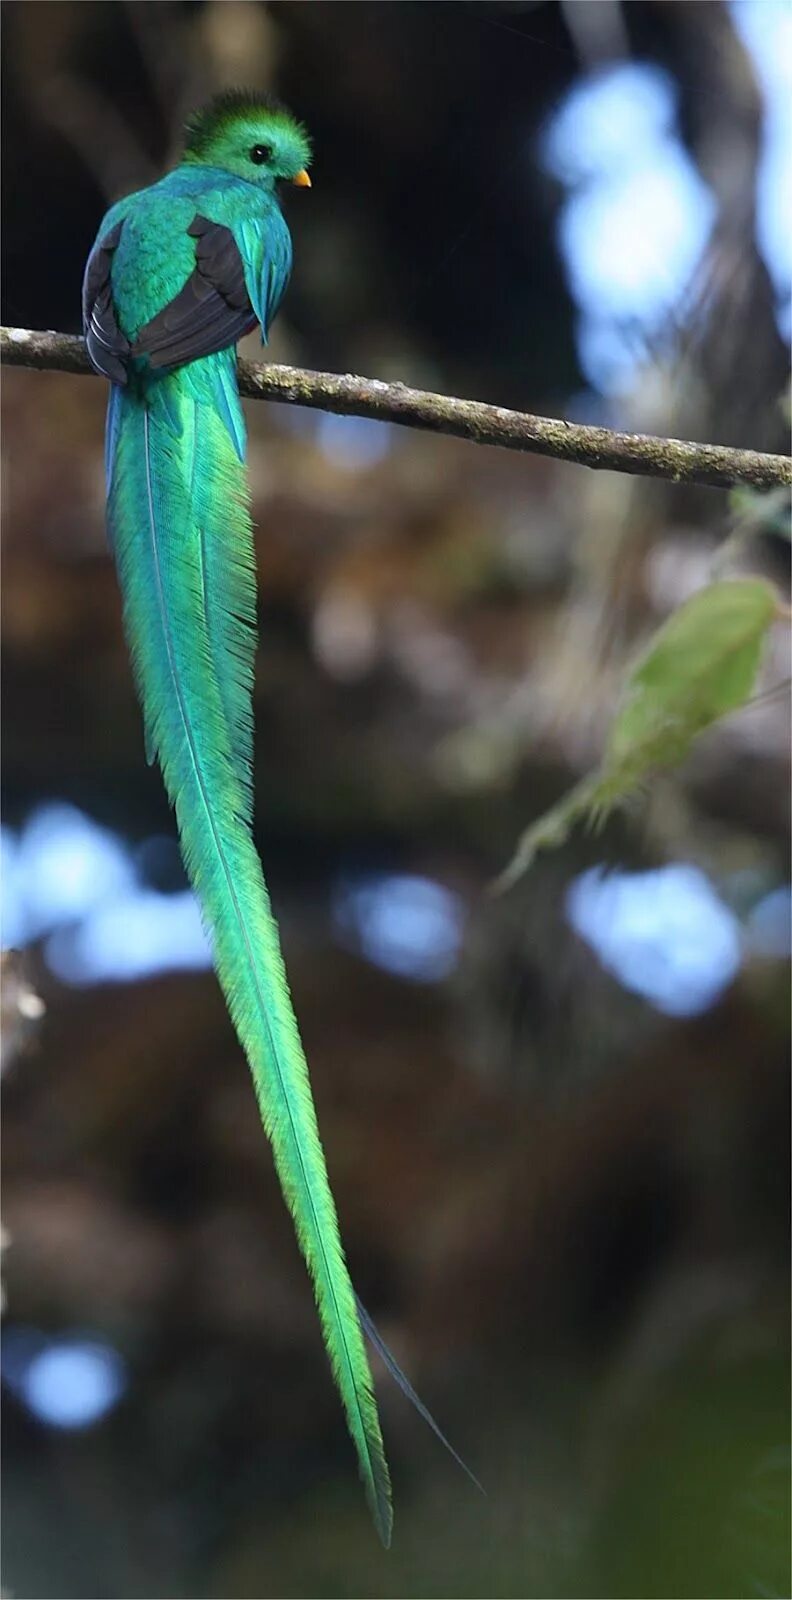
{"points": [[701, 664]]}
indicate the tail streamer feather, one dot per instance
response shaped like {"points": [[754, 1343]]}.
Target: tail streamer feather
{"points": [[226, 554], [386, 1355], [182, 540]]}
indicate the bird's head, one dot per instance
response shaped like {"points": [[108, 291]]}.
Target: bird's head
{"points": [[252, 136]]}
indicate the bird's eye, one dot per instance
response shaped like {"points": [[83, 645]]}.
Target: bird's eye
{"points": [[261, 153]]}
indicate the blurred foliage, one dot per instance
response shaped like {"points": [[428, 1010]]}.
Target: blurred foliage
{"points": [[568, 1213], [701, 664]]}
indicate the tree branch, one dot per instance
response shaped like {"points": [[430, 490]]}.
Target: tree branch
{"points": [[680, 460]]}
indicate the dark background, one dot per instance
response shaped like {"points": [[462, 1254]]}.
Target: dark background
{"points": [[566, 1207]]}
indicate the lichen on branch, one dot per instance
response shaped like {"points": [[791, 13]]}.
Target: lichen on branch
{"points": [[681, 460]]}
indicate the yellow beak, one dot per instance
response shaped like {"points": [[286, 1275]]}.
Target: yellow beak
{"points": [[302, 180]]}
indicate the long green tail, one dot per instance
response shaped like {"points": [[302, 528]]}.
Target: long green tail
{"points": [[181, 532]]}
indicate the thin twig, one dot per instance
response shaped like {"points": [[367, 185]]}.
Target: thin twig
{"points": [[682, 460]]}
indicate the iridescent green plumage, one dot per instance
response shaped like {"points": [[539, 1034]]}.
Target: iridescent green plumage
{"points": [[156, 304]]}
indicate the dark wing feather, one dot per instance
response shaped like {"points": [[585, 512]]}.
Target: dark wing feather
{"points": [[210, 313], [107, 346]]}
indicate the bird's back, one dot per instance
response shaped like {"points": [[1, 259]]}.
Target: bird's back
{"points": [[155, 254]]}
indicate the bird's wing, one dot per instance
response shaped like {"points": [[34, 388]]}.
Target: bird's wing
{"points": [[212, 310], [108, 348], [239, 278], [264, 244]]}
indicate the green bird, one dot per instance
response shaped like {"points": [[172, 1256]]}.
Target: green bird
{"points": [[178, 273]]}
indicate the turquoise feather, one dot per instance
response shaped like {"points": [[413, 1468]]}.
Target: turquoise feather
{"points": [[162, 519], [228, 579]]}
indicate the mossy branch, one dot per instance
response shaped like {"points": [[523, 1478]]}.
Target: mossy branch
{"points": [[681, 460]]}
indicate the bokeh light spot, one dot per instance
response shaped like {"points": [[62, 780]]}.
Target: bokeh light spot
{"points": [[664, 934], [68, 1383], [407, 925]]}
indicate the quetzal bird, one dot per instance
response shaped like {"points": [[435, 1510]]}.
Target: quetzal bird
{"points": [[178, 273]]}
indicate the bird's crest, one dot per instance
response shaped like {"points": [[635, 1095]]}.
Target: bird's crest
{"points": [[239, 105]]}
